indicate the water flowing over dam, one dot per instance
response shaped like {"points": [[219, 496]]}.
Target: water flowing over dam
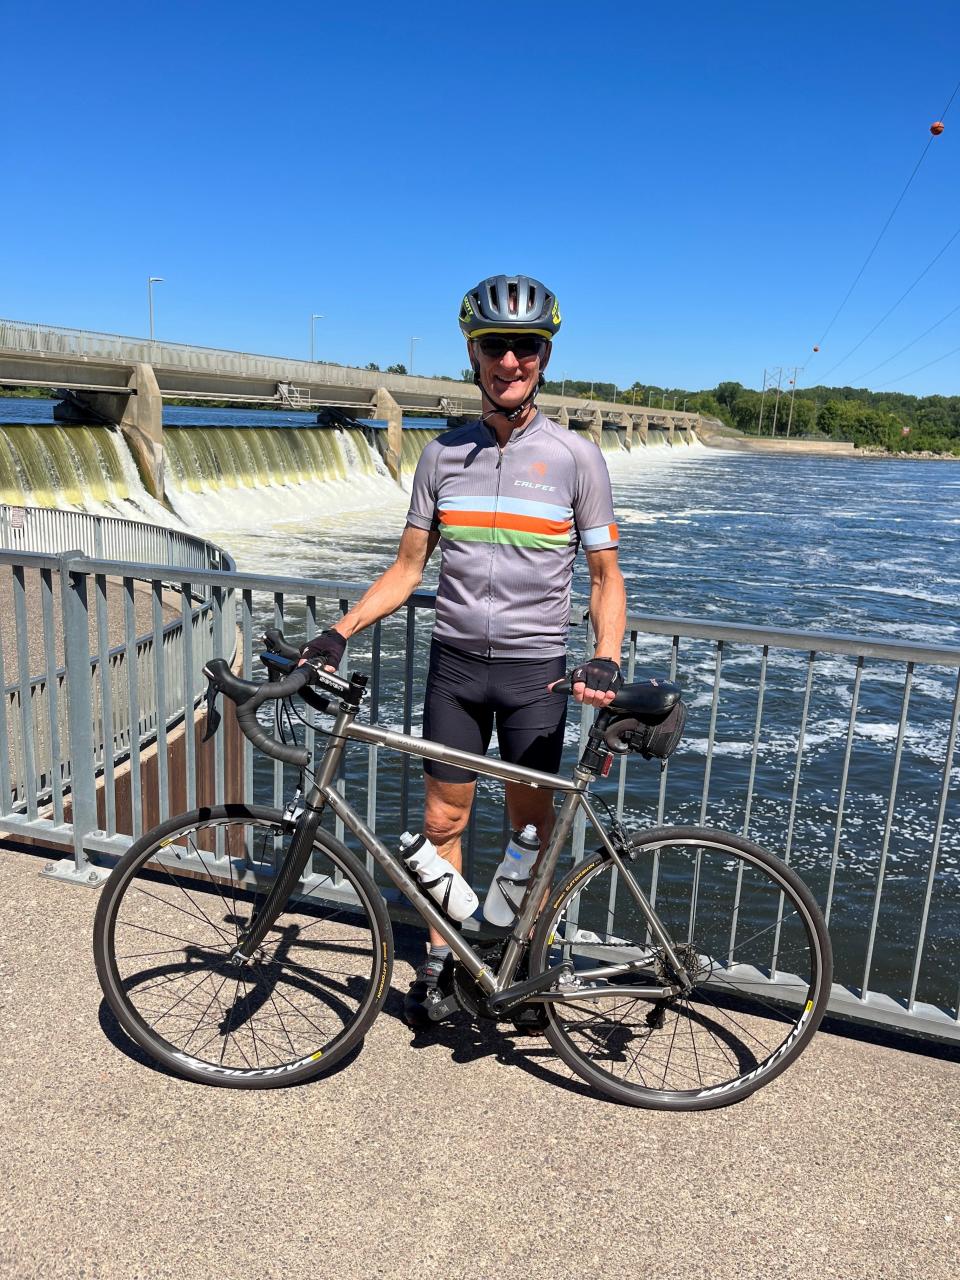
{"points": [[234, 469]]}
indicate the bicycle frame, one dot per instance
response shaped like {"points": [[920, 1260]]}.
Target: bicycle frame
{"points": [[323, 792]]}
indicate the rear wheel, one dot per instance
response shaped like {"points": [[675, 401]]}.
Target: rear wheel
{"points": [[173, 911], [749, 936]]}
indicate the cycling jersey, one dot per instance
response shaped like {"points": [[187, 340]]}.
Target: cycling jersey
{"points": [[510, 522]]}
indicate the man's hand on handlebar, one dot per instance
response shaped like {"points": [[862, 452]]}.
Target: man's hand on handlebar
{"points": [[595, 682], [326, 648]]}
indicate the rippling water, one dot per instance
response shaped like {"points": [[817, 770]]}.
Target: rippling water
{"points": [[864, 547], [826, 545]]}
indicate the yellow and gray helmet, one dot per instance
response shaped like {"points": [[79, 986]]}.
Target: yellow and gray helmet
{"points": [[510, 304]]}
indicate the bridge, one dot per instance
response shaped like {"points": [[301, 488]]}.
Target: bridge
{"points": [[124, 381]]}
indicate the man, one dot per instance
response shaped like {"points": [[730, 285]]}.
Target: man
{"points": [[509, 498]]}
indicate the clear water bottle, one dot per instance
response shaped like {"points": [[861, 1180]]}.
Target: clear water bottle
{"points": [[445, 885], [511, 878]]}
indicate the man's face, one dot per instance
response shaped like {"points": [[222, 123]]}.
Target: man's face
{"points": [[510, 378]]}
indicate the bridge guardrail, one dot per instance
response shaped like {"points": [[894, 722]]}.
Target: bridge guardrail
{"points": [[139, 686], [867, 810]]}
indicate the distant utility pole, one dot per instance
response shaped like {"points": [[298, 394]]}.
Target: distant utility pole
{"points": [[663, 400], [776, 404], [412, 341], [793, 391], [767, 385], [650, 397]]}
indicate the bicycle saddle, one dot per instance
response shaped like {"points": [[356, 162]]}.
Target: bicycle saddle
{"points": [[646, 697]]}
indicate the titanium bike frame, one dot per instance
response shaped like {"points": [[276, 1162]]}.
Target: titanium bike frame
{"points": [[492, 982]]}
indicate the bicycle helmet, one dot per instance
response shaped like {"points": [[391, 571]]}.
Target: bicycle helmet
{"points": [[508, 304]]}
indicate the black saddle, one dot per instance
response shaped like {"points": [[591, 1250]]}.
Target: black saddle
{"points": [[646, 698]]}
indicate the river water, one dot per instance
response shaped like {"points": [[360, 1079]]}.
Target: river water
{"points": [[860, 546], [825, 545]]}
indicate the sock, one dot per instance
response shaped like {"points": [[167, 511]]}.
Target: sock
{"points": [[438, 953]]}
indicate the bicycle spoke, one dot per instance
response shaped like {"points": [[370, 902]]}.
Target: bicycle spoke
{"points": [[308, 987], [728, 1031]]}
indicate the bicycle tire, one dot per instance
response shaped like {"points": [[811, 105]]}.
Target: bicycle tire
{"points": [[316, 983], [751, 936]]}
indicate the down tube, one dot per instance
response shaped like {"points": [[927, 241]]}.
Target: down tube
{"points": [[409, 886]]}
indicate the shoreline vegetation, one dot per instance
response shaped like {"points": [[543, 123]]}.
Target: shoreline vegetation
{"points": [[877, 423]]}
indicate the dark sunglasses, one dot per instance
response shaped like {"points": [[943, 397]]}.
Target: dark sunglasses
{"points": [[524, 347]]}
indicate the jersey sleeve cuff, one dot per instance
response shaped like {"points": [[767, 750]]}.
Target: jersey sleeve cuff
{"points": [[602, 537]]}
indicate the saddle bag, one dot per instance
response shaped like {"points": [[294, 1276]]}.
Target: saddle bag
{"points": [[652, 735]]}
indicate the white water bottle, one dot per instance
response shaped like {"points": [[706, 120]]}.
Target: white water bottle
{"points": [[511, 877], [443, 882]]}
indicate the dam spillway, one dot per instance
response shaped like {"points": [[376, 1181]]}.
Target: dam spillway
{"points": [[232, 467]]}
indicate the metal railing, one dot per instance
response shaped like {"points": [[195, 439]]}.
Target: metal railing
{"points": [[133, 634], [44, 531], [836, 752]]}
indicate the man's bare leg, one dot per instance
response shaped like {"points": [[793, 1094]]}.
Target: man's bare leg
{"points": [[446, 814]]}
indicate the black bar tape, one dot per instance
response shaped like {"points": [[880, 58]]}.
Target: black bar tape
{"points": [[265, 742]]}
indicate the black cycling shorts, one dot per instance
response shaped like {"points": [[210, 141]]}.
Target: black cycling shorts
{"points": [[466, 693]]}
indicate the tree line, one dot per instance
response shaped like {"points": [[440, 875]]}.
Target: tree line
{"points": [[888, 420]]}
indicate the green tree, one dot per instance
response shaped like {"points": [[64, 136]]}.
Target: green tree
{"points": [[396, 368]]}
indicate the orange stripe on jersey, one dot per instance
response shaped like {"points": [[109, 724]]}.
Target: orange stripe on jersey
{"points": [[505, 520]]}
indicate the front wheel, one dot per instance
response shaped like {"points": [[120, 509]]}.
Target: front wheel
{"points": [[172, 913], [749, 936]]}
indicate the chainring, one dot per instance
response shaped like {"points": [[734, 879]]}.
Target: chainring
{"points": [[471, 997]]}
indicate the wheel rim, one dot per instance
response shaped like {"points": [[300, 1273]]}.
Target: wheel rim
{"points": [[171, 935], [747, 942]]}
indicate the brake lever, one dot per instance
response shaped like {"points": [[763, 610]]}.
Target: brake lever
{"points": [[213, 714]]}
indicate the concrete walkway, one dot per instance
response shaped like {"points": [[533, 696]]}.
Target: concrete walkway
{"points": [[471, 1154]]}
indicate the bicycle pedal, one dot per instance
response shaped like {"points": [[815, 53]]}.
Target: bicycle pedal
{"points": [[437, 1010]]}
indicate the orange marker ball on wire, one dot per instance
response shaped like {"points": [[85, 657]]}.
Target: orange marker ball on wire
{"points": [[936, 128], [816, 348]]}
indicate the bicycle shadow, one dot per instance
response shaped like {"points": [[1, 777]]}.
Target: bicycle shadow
{"points": [[470, 1040]]}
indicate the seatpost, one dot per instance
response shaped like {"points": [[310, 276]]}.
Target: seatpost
{"points": [[596, 751]]}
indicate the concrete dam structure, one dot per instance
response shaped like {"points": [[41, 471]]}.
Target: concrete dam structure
{"points": [[122, 382]]}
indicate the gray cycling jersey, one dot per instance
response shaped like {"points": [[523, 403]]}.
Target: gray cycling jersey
{"points": [[510, 522]]}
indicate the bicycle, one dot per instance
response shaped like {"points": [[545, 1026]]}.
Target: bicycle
{"points": [[678, 968]]}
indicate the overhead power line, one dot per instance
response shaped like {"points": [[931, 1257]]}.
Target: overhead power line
{"points": [[920, 368], [889, 312], [913, 343], [890, 217]]}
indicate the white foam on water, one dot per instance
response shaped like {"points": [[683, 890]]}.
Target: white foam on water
{"points": [[264, 507]]}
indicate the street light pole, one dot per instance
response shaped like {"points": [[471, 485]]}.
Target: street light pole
{"points": [[412, 341], [151, 281], [313, 324]]}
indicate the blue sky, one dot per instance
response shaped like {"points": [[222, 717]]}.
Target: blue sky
{"points": [[699, 187]]}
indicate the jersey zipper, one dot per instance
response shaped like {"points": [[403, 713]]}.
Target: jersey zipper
{"points": [[493, 547]]}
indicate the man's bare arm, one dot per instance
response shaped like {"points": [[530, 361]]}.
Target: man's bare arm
{"points": [[608, 613], [394, 587]]}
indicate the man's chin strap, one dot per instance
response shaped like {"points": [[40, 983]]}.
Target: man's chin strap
{"points": [[511, 415]]}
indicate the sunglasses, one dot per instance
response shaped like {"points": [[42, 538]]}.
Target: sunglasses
{"points": [[524, 347]]}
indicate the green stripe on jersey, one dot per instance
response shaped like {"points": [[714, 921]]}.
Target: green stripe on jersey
{"points": [[508, 537]]}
